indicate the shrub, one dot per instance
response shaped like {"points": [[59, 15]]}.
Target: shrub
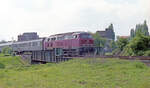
{"points": [[7, 51], [147, 53], [140, 65], [2, 66], [138, 46]]}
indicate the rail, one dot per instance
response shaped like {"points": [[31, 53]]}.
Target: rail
{"points": [[120, 57]]}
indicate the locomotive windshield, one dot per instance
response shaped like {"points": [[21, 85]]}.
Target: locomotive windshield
{"points": [[85, 36]]}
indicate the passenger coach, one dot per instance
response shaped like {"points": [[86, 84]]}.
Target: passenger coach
{"points": [[25, 46]]}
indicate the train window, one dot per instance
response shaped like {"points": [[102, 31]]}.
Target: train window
{"points": [[60, 38], [39, 44], [85, 36], [30, 44], [20, 45], [34, 44], [48, 39], [15, 45], [24, 44], [69, 37], [53, 39], [75, 36]]}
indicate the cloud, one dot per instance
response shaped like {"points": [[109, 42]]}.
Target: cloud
{"points": [[55, 16], [39, 3], [146, 9]]}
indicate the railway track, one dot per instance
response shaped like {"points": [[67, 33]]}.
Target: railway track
{"points": [[120, 57], [144, 59]]}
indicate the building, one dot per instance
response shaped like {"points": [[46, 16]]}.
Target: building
{"points": [[28, 36], [124, 37], [109, 33]]}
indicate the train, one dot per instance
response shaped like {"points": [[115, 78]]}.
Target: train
{"points": [[71, 44]]}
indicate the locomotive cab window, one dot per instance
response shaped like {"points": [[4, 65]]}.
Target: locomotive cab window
{"points": [[75, 36], [53, 39], [48, 39]]}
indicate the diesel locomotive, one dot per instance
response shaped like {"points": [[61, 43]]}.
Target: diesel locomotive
{"points": [[73, 44]]}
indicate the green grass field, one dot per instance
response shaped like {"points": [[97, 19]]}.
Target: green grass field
{"points": [[79, 73]]}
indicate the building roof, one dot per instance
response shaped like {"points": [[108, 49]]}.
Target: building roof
{"points": [[124, 37], [108, 34]]}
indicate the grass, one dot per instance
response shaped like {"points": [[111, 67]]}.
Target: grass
{"points": [[9, 62], [79, 73]]}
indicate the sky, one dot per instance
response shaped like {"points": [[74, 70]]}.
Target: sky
{"points": [[47, 17]]}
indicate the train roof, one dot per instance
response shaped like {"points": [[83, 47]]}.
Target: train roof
{"points": [[10, 43], [6, 44], [28, 41], [68, 33]]}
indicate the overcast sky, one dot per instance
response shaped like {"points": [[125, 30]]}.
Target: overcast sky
{"points": [[57, 16]]}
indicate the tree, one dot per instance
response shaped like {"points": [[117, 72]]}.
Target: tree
{"points": [[145, 27], [132, 34], [142, 28], [138, 46], [121, 43], [113, 45], [98, 40], [7, 50], [111, 28]]}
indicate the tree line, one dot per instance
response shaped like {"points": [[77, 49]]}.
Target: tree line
{"points": [[137, 44]]}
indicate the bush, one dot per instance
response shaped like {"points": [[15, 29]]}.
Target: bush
{"points": [[116, 51], [7, 51], [147, 53], [140, 65], [121, 43], [127, 51], [2, 66], [138, 46], [140, 53]]}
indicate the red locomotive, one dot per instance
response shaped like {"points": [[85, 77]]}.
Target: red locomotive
{"points": [[72, 44]]}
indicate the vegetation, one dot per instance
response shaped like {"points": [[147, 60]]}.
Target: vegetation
{"points": [[112, 29], [98, 40], [77, 73], [7, 51], [132, 34], [139, 42], [138, 46], [113, 45], [140, 28], [121, 43]]}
